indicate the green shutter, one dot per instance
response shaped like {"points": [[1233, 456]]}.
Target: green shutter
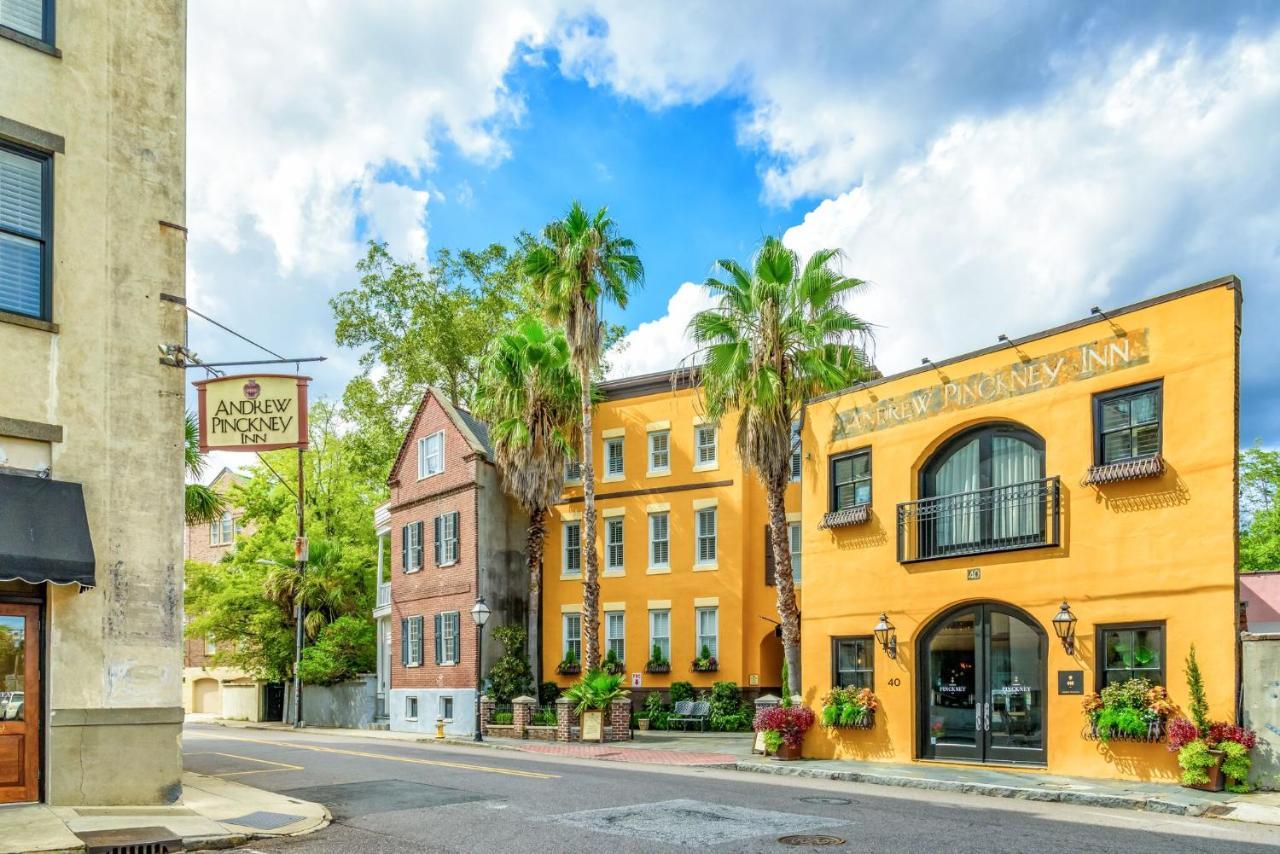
{"points": [[404, 548], [438, 525], [404, 642], [439, 642]]}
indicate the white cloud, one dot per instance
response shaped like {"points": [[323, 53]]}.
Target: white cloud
{"points": [[661, 344], [398, 215]]}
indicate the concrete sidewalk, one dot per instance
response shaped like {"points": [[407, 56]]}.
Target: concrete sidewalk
{"points": [[214, 813], [1168, 798]]}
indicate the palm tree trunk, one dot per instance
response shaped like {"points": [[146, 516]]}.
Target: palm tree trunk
{"points": [[537, 535], [788, 613], [591, 578]]}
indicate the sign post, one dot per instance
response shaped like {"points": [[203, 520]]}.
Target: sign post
{"points": [[263, 412]]}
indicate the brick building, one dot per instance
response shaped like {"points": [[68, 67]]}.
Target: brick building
{"points": [[208, 543], [454, 535]]}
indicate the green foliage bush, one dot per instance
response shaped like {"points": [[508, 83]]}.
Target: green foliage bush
{"points": [[1196, 760], [681, 691], [1120, 719], [596, 690], [548, 693], [344, 648], [504, 718], [543, 717], [728, 712], [1195, 688], [510, 676], [1236, 764]]}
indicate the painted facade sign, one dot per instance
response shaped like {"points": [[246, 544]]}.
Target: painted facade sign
{"points": [[1083, 361], [253, 412]]}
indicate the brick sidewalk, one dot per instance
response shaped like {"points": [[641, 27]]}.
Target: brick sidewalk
{"points": [[610, 753]]}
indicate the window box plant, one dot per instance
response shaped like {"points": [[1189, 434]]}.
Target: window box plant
{"points": [[657, 662], [705, 662], [1133, 710], [569, 666], [784, 728], [1211, 754], [849, 708], [612, 665]]}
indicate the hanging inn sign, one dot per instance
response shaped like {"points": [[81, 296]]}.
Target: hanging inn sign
{"points": [[1080, 362], [253, 412]]}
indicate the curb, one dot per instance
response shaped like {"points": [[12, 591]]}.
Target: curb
{"points": [[1146, 803]]}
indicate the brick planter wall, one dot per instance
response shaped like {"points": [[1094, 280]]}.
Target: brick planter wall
{"points": [[540, 733], [618, 723], [521, 713], [564, 720]]}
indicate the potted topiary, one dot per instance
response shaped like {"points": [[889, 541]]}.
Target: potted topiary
{"points": [[705, 662], [593, 694], [784, 728], [657, 662], [569, 666]]}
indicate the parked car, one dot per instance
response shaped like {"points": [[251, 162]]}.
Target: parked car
{"points": [[12, 706]]}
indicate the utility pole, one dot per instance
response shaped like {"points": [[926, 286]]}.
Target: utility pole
{"points": [[300, 554]]}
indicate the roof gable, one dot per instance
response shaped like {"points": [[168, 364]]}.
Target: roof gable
{"points": [[473, 431]]}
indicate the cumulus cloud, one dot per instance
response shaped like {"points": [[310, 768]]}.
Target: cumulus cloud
{"points": [[398, 215], [661, 344]]}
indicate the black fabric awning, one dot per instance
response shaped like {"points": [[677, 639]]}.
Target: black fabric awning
{"points": [[44, 534]]}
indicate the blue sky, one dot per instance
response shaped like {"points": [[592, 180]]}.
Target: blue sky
{"points": [[989, 168]]}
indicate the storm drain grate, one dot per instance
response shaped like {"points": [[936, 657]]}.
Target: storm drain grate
{"points": [[131, 840], [810, 839], [262, 820]]}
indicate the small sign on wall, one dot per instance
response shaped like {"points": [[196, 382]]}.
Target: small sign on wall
{"points": [[635, 680], [973, 574], [753, 679], [1070, 681]]}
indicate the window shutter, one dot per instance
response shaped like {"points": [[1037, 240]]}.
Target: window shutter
{"points": [[456, 625], [404, 548], [439, 641], [457, 535], [769, 568], [404, 642], [437, 525]]}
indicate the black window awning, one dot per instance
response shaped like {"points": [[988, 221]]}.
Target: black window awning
{"points": [[44, 534]]}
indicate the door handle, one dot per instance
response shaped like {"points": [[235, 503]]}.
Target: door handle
{"points": [[986, 725]]}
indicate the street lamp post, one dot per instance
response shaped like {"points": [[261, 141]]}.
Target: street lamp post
{"points": [[479, 613]]}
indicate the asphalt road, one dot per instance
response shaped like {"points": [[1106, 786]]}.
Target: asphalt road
{"points": [[390, 797]]}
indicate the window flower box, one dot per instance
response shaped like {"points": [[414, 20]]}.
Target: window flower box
{"points": [[568, 668], [658, 667], [849, 708], [705, 665], [1133, 710]]}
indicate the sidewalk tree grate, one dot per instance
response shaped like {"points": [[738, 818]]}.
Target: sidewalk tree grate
{"points": [[131, 840], [810, 839], [262, 820]]}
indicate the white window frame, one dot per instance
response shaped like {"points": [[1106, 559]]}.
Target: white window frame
{"points": [[450, 627], [426, 455], [665, 541], [210, 645], [412, 625], [572, 471], [621, 638], [222, 532], [449, 538], [700, 537], [611, 525], [413, 531], [609, 444], [665, 468], [441, 710], [565, 621], [795, 536], [699, 446], [699, 639], [655, 638], [411, 701], [567, 571]]}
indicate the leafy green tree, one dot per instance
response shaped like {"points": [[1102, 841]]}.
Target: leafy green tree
{"points": [[1259, 510], [510, 676], [529, 396], [780, 334], [581, 260], [344, 649], [203, 505]]}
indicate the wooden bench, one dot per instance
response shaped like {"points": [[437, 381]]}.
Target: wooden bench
{"points": [[691, 711]]}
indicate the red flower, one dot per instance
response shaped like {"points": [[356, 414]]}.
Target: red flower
{"points": [[791, 723], [1181, 733], [1220, 731]]}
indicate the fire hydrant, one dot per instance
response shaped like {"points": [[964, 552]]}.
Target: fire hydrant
{"points": [[440, 728]]}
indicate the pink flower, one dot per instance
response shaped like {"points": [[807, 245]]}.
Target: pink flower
{"points": [[791, 723], [1181, 733]]}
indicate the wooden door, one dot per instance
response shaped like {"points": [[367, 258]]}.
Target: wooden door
{"points": [[19, 703]]}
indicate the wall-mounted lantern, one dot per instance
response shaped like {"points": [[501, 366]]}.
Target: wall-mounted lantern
{"points": [[887, 637], [1064, 626]]}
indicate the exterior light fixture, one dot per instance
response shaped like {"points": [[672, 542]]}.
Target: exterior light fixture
{"points": [[1064, 626], [479, 613], [887, 636]]}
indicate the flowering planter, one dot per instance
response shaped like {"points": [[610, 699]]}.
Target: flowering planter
{"points": [[569, 669], [1154, 733], [704, 668], [615, 669], [867, 722], [658, 668], [1217, 780]]}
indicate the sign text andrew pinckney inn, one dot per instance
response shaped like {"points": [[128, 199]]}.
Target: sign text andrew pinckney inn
{"points": [[1023, 377], [253, 412]]}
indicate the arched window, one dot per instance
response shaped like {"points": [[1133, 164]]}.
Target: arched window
{"points": [[985, 489]]}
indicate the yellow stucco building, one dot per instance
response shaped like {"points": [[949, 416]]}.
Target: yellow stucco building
{"points": [[1089, 471], [681, 539]]}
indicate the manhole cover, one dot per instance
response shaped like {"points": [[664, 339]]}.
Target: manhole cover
{"points": [[810, 839], [262, 820], [835, 802]]}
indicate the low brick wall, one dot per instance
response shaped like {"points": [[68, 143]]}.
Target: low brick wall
{"points": [[500, 730], [540, 733]]}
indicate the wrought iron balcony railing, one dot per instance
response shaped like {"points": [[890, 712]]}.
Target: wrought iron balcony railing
{"points": [[1000, 518]]}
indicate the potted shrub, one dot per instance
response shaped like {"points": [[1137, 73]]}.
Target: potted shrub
{"points": [[705, 662], [849, 707], [1211, 754], [612, 665], [569, 666], [657, 662], [652, 712], [593, 694], [1133, 710], [784, 728]]}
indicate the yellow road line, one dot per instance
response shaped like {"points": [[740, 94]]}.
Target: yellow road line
{"points": [[463, 766]]}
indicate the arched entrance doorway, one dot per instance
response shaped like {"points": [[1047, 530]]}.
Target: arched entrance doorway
{"points": [[206, 696], [982, 680]]}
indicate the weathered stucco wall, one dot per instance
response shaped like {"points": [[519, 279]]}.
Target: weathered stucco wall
{"points": [[1260, 698], [347, 704], [116, 95]]}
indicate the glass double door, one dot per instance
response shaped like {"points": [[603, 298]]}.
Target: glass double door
{"points": [[982, 687]]}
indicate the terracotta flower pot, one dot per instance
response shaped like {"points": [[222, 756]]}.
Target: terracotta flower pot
{"points": [[787, 753], [1217, 780]]}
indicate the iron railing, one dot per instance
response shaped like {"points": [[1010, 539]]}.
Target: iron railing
{"points": [[1000, 518], [501, 714], [384, 595]]}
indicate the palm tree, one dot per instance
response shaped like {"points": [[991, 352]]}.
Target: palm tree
{"points": [[779, 335], [579, 261], [203, 505], [528, 394], [325, 588]]}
